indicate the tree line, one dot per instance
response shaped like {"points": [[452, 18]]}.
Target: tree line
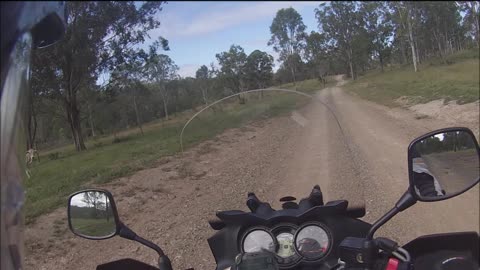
{"points": [[67, 104]]}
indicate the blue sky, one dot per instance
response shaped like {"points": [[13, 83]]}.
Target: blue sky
{"points": [[196, 31]]}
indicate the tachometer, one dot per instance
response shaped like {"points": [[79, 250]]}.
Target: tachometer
{"points": [[312, 242], [258, 240]]}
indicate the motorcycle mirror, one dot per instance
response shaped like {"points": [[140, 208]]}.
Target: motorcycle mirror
{"points": [[92, 214], [443, 164]]}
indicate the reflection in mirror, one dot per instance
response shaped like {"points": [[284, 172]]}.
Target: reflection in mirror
{"points": [[444, 164], [91, 215]]}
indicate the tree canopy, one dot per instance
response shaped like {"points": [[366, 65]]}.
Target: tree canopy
{"points": [[104, 42]]}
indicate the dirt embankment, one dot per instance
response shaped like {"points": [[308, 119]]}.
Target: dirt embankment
{"points": [[450, 112]]}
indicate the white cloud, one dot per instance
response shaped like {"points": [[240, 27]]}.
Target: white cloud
{"points": [[226, 16]]}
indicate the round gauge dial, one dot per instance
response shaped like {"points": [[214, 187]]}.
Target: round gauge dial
{"points": [[285, 245], [258, 240], [312, 242], [286, 255]]}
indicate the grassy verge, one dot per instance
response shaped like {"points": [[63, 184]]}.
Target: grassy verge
{"points": [[458, 80], [107, 159], [308, 85], [94, 227]]}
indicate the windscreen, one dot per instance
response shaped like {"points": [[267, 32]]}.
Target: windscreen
{"points": [[278, 142]]}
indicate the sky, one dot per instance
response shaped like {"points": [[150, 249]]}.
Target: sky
{"points": [[196, 31]]}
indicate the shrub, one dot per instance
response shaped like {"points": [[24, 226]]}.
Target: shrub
{"points": [[54, 156]]}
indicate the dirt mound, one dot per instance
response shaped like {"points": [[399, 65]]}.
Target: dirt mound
{"points": [[451, 112]]}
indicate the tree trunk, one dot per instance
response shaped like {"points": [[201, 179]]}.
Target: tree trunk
{"points": [[412, 41], [380, 58], [165, 109], [204, 96], [32, 124], [474, 11], [90, 120], [292, 69], [442, 55], [352, 74], [137, 116], [75, 126], [71, 108], [416, 51], [164, 100], [404, 53], [350, 63]]}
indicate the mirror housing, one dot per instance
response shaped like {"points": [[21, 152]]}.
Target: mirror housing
{"points": [[92, 214], [82, 199], [410, 197], [432, 171]]}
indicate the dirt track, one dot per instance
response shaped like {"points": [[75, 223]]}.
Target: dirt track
{"points": [[171, 204]]}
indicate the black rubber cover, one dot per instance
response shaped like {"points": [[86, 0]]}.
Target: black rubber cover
{"points": [[429, 251]]}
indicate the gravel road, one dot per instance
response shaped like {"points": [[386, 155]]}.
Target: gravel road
{"points": [[364, 162]]}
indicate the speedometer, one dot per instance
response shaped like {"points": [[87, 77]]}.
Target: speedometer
{"points": [[258, 240], [312, 242], [286, 255], [285, 245]]}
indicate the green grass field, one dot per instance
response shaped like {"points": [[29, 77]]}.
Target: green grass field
{"points": [[94, 227], [54, 179], [458, 80]]}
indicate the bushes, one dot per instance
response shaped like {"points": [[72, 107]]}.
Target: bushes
{"points": [[53, 156]]}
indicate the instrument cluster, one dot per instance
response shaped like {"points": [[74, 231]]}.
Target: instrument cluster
{"points": [[290, 243]]}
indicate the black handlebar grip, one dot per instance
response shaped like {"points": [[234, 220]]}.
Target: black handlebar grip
{"points": [[316, 196], [164, 263], [253, 202]]}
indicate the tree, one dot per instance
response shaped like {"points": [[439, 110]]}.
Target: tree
{"points": [[98, 36], [97, 204], [288, 36], [439, 27], [203, 75], [471, 19], [232, 69], [405, 12], [161, 69], [378, 25], [316, 46], [259, 69], [316, 54], [127, 77], [341, 23]]}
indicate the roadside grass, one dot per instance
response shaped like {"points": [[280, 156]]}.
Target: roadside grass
{"points": [[94, 227], [458, 80], [55, 178]]}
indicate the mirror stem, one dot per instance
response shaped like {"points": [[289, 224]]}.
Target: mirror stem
{"points": [[379, 223], [405, 202], [163, 260], [127, 233], [149, 244]]}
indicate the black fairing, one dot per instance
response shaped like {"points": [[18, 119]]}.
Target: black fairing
{"points": [[225, 244], [430, 250], [126, 264]]}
